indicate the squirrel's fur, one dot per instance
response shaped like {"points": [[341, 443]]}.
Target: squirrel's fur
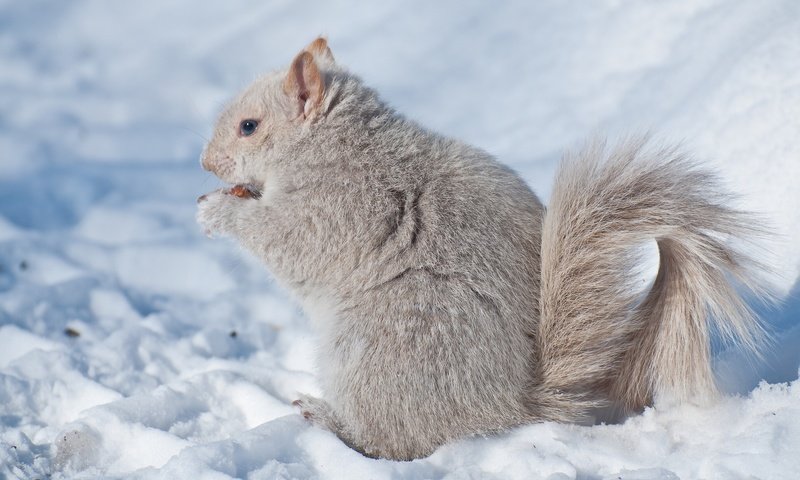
{"points": [[448, 301]]}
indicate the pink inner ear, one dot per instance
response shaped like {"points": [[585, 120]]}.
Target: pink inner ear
{"points": [[304, 83], [298, 82]]}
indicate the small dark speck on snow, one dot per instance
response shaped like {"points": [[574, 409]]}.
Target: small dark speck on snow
{"points": [[71, 332]]}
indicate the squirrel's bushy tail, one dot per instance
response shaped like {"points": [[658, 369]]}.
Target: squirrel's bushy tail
{"points": [[596, 335]]}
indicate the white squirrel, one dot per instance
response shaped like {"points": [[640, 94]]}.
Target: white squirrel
{"points": [[449, 302]]}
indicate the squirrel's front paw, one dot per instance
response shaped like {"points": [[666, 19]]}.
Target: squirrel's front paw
{"points": [[216, 212]]}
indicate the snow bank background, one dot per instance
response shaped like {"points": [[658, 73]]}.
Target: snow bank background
{"points": [[132, 346]]}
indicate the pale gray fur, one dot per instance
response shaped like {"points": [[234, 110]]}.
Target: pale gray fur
{"points": [[593, 335], [425, 264]]}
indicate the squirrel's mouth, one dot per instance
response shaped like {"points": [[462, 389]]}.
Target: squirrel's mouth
{"points": [[243, 186], [245, 190], [241, 190]]}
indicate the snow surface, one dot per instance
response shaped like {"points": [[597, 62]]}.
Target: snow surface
{"points": [[184, 356]]}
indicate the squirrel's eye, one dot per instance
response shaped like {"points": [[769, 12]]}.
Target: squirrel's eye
{"points": [[248, 127]]}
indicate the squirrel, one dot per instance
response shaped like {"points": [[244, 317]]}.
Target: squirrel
{"points": [[448, 300]]}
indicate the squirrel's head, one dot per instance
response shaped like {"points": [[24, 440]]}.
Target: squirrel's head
{"points": [[268, 113]]}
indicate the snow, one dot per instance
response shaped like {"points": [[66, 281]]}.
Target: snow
{"points": [[18, 342], [185, 356]]}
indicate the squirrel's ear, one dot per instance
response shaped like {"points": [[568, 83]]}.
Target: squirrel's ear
{"points": [[320, 50], [305, 86]]}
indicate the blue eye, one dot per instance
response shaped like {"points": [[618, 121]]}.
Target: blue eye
{"points": [[248, 127]]}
